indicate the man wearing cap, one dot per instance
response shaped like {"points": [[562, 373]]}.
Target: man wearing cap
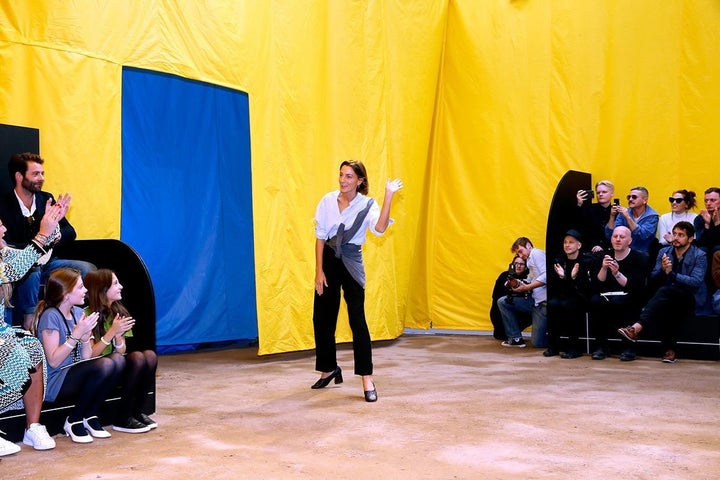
{"points": [[568, 294], [536, 303], [680, 274], [619, 286]]}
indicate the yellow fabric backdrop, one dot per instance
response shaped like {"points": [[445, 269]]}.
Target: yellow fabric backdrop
{"points": [[479, 106]]}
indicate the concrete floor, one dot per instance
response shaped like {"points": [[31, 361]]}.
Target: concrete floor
{"points": [[450, 406]]}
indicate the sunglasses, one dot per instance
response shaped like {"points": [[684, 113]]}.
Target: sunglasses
{"points": [[675, 200], [631, 197]]}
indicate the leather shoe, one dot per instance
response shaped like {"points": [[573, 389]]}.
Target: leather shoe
{"points": [[628, 356], [550, 352], [76, 431], [94, 428], [571, 354], [324, 382], [371, 395], [599, 354]]}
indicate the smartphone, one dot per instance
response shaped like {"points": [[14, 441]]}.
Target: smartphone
{"points": [[616, 201], [589, 194]]}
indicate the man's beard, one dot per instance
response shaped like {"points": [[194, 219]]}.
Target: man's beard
{"points": [[31, 186]]}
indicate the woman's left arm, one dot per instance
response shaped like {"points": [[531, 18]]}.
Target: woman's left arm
{"points": [[391, 187]]}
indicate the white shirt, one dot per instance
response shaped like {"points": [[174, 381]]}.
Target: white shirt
{"points": [[328, 217]]}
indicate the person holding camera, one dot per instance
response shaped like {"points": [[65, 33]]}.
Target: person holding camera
{"points": [[536, 303], [517, 271], [591, 218], [568, 295], [619, 292], [639, 217]]}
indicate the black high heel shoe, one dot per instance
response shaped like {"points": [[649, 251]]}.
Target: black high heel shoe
{"points": [[371, 395], [324, 382]]}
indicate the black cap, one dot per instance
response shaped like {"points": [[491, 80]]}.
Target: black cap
{"points": [[574, 233]]}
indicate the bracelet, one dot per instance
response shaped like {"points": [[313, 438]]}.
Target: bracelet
{"points": [[102, 339], [42, 239], [73, 338], [68, 345], [118, 345]]}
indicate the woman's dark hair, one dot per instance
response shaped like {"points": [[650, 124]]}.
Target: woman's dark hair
{"points": [[688, 197], [360, 171], [98, 283]]}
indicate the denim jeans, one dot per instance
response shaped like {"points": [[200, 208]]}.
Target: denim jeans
{"points": [[508, 310], [26, 292]]}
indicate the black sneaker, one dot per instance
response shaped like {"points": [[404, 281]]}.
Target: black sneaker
{"points": [[144, 419], [550, 352], [130, 425], [514, 342]]}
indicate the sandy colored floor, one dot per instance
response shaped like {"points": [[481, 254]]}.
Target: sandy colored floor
{"points": [[450, 407]]}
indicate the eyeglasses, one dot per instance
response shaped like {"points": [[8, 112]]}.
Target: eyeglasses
{"points": [[631, 197], [675, 200], [516, 265]]}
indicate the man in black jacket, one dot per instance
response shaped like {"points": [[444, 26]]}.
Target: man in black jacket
{"points": [[21, 210]]}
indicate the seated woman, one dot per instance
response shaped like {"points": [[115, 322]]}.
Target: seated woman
{"points": [[113, 333], [22, 363], [73, 376]]}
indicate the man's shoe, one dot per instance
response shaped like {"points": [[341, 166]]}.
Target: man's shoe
{"points": [[130, 425], [8, 448], [628, 356], [669, 357], [571, 354], [550, 352], [599, 354], [514, 342], [629, 333], [142, 418], [37, 437]]}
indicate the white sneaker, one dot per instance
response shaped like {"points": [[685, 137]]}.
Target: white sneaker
{"points": [[37, 437], [8, 448]]}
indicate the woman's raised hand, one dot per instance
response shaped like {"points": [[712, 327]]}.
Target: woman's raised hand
{"points": [[393, 186]]}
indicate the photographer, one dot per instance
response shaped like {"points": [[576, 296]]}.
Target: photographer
{"points": [[517, 271], [591, 218], [535, 303]]}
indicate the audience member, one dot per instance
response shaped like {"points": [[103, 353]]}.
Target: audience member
{"points": [[568, 295], [680, 273], [517, 271], [73, 376], [21, 209], [681, 202], [536, 303], [619, 292], [639, 217], [22, 363], [707, 223], [113, 333], [591, 218]]}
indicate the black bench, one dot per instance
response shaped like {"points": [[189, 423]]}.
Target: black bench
{"points": [[138, 297], [699, 335]]}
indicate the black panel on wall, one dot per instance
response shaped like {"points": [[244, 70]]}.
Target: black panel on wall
{"points": [[14, 139]]}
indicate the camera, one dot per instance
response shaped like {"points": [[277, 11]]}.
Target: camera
{"points": [[589, 194]]}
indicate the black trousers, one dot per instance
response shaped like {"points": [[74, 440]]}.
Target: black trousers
{"points": [[607, 314], [566, 317], [666, 309], [325, 313]]}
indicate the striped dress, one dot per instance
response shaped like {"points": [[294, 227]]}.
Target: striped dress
{"points": [[20, 351]]}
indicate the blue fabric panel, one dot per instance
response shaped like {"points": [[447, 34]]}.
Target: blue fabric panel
{"points": [[187, 204]]}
